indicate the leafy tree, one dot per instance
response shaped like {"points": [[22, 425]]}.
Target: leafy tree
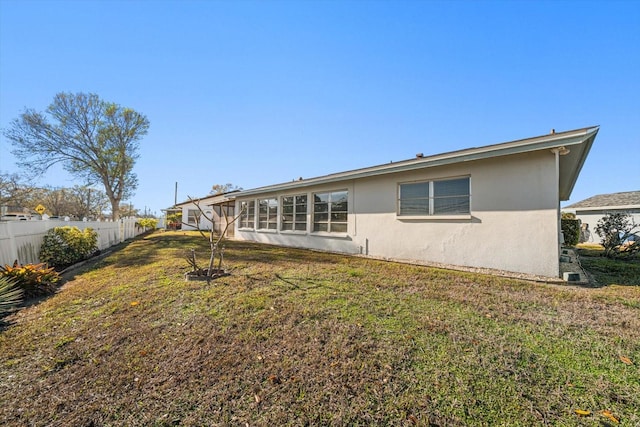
{"points": [[127, 209], [223, 188], [94, 140], [174, 220], [615, 230]]}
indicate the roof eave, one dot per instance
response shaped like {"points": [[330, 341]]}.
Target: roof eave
{"points": [[224, 197], [603, 208], [544, 142], [568, 180]]}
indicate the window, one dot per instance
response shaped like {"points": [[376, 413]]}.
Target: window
{"points": [[443, 197], [193, 217], [267, 214], [226, 210], [330, 212], [451, 197], [294, 213], [223, 213], [247, 219], [414, 198]]}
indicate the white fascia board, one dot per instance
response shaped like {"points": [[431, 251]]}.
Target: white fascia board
{"points": [[209, 200], [566, 184], [604, 208], [477, 153]]}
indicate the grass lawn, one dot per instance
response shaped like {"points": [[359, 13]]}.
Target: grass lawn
{"points": [[295, 337], [606, 271]]}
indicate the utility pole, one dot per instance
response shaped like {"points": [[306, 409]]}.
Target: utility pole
{"points": [[88, 212]]}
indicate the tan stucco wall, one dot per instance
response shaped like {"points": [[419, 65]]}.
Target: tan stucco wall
{"points": [[592, 218], [513, 224]]}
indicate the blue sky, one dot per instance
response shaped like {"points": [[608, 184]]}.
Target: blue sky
{"points": [[262, 92]]}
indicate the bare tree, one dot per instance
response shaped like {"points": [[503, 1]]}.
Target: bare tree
{"points": [[223, 188], [14, 190], [216, 248], [88, 202], [56, 201], [93, 139]]}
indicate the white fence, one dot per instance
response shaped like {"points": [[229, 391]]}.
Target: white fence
{"points": [[21, 240]]}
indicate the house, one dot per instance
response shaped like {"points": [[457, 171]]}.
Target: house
{"points": [[220, 208], [591, 210], [496, 206]]}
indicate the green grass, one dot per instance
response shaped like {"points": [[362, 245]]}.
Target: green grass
{"points": [[606, 271], [295, 337]]}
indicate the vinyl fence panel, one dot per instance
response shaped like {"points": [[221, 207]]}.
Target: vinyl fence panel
{"points": [[21, 240]]}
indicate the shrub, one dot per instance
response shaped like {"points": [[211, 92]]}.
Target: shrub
{"points": [[150, 223], [570, 231], [63, 246], [615, 231], [174, 221], [34, 279], [10, 295]]}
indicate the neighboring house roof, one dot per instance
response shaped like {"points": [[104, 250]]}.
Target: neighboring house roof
{"points": [[573, 146], [624, 200], [210, 200]]}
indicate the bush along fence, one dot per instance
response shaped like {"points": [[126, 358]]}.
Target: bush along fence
{"points": [[65, 246], [23, 240]]}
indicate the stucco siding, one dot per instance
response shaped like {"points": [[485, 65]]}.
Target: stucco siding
{"points": [[327, 242], [513, 223], [592, 217]]}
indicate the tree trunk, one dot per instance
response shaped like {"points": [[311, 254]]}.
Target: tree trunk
{"points": [[115, 209]]}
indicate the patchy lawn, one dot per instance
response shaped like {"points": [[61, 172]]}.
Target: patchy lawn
{"points": [[609, 271], [295, 337]]}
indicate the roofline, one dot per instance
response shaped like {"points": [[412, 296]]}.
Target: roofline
{"points": [[600, 196], [602, 208], [538, 143], [588, 142], [195, 200]]}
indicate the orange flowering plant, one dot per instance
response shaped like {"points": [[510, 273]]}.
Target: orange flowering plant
{"points": [[33, 279]]}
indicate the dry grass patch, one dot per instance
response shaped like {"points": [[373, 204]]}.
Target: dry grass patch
{"points": [[296, 337]]}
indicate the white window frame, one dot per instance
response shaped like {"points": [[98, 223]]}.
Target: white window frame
{"points": [[248, 217], [272, 217], [329, 213], [294, 214], [192, 214]]}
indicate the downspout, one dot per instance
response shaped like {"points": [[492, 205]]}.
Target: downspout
{"points": [[353, 207], [558, 151]]}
